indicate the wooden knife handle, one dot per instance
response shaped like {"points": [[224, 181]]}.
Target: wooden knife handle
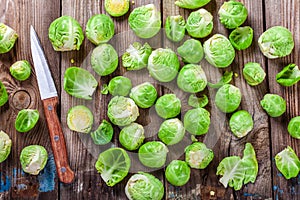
{"points": [[65, 173]]}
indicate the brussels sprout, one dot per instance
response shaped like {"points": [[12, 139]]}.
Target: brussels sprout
{"points": [[218, 51], [198, 102], [225, 79], [168, 106], [26, 120], [136, 56], [198, 156], [8, 37], [163, 65], [199, 23], [80, 119], [144, 95], [273, 104], [65, 34], [276, 42], [191, 51], [3, 94], [241, 123], [171, 131], [253, 73], [144, 186], [113, 165], [145, 21], [33, 159], [178, 173], [175, 28], [5, 146], [241, 38], [294, 127], [289, 76], [119, 86], [192, 78], [233, 14], [103, 134], [288, 163], [104, 59], [122, 111], [153, 154], [228, 98], [20, 70], [197, 121], [191, 4], [79, 83], [100, 29], [132, 136], [116, 8]]}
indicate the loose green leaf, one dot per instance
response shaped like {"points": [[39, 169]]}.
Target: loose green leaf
{"points": [[191, 4], [287, 162], [241, 38], [225, 79], [103, 134], [198, 102], [289, 76], [3, 94], [26, 120]]}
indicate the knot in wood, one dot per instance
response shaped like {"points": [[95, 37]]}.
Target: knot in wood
{"points": [[21, 100]]}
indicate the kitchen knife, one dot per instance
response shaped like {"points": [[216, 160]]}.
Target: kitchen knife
{"points": [[50, 101]]}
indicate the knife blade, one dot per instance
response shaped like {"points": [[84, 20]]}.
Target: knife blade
{"points": [[49, 99]]}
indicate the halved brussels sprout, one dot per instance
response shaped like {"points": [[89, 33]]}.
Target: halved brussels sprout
{"points": [[3, 94], [198, 156], [175, 28], [26, 120], [5, 146], [153, 154], [191, 4], [20, 70], [8, 37], [241, 37], [225, 79], [171, 131], [119, 86], [241, 123], [198, 102], [100, 29], [273, 104], [294, 127], [65, 34], [168, 106], [80, 119], [178, 173], [228, 98], [144, 95], [253, 73], [199, 23], [132, 136], [289, 76], [288, 163], [33, 159], [104, 133], [197, 121], [116, 8], [191, 51]]}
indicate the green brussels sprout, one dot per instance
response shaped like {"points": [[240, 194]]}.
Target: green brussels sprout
{"points": [[178, 173], [225, 79], [290, 75], [20, 70], [113, 165], [228, 98], [198, 156], [253, 73], [273, 104], [276, 42], [33, 159], [241, 38], [122, 111], [218, 51], [145, 21], [153, 154], [5, 146], [199, 23], [132, 136], [136, 56], [104, 133], [198, 102], [119, 86], [80, 119], [175, 28], [144, 95], [191, 4], [116, 8], [100, 29], [241, 123], [192, 78], [288, 163], [191, 51], [65, 34], [3, 94], [294, 127], [163, 65], [8, 37], [79, 83], [197, 121], [26, 120], [144, 186], [104, 59], [168, 106], [171, 131], [233, 14]]}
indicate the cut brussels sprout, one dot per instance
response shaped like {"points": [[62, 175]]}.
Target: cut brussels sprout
{"points": [[8, 37], [145, 21], [104, 133], [191, 51], [100, 29], [197, 121], [288, 163], [119, 86], [253, 73], [79, 83], [80, 119], [116, 8], [198, 102], [241, 38], [199, 23], [228, 98], [168, 106], [175, 28], [113, 165], [290, 75], [241, 123], [26, 120], [294, 127], [33, 159], [171, 131], [65, 34], [273, 104], [5, 146], [132, 136], [153, 154], [178, 173], [20, 70], [144, 95], [191, 4], [198, 156], [225, 79], [3, 94]]}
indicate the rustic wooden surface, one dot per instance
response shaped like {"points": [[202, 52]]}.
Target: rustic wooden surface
{"points": [[268, 137]]}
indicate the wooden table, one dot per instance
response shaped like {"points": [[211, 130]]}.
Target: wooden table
{"points": [[269, 136]]}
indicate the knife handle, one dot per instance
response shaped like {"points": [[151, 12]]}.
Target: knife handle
{"points": [[65, 173]]}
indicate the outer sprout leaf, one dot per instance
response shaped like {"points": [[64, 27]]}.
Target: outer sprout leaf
{"points": [[103, 134], [225, 79], [3, 94], [191, 4], [288, 163], [198, 102], [250, 164], [241, 38], [289, 76], [26, 120]]}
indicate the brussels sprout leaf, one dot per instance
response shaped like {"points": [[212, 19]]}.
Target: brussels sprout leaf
{"points": [[288, 163], [226, 78], [289, 76], [198, 102], [3, 94]]}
